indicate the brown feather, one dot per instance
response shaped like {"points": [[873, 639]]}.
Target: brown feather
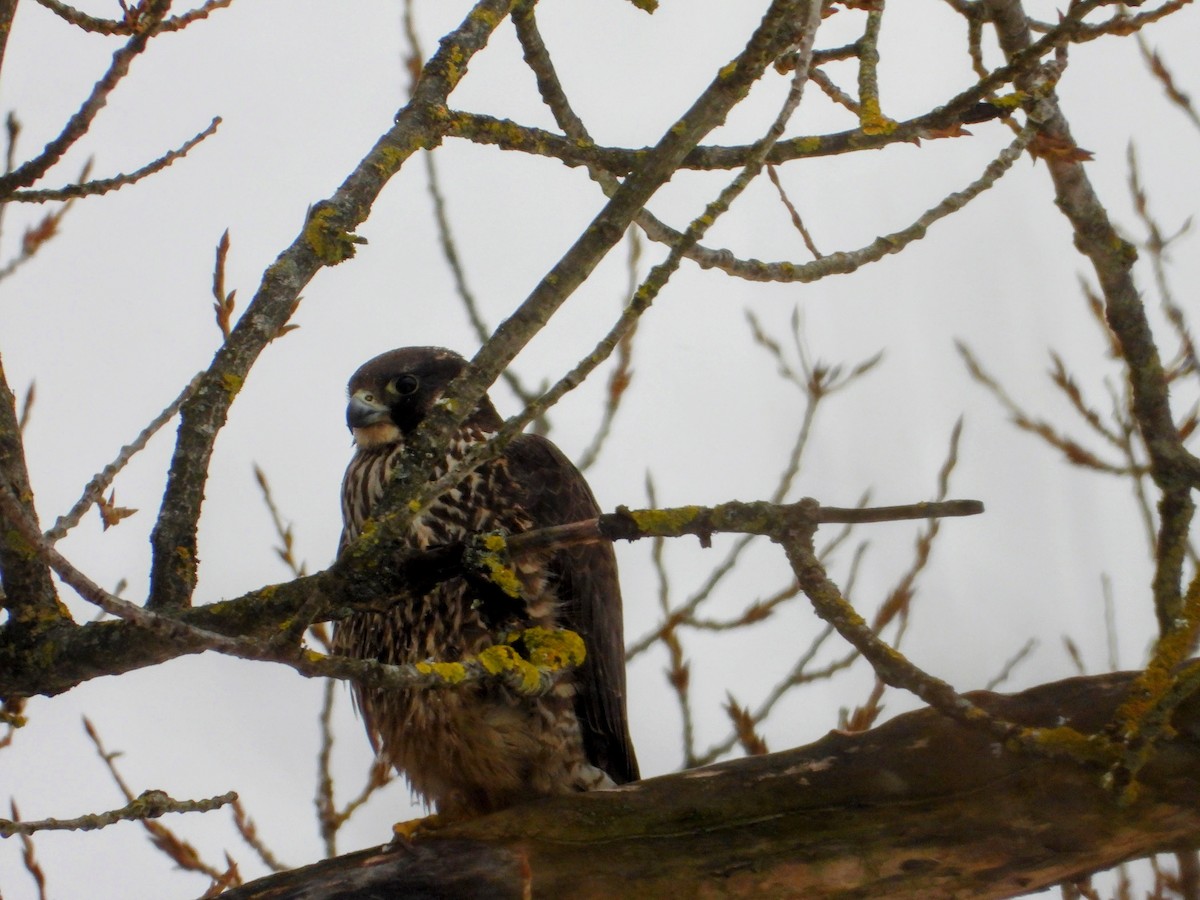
{"points": [[481, 747]]}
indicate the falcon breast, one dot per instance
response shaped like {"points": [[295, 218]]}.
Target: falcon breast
{"points": [[476, 748]]}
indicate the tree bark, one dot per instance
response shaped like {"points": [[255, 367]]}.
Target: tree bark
{"points": [[918, 807]]}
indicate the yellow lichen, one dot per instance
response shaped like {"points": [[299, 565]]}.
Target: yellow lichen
{"points": [[331, 243], [447, 672], [504, 660], [554, 649], [664, 522], [490, 556], [872, 120], [1011, 101]]}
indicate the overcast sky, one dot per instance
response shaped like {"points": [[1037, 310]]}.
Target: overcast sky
{"points": [[114, 316]]}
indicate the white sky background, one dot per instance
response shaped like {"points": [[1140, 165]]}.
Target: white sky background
{"points": [[114, 316]]}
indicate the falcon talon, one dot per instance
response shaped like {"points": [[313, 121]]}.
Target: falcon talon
{"points": [[405, 832], [550, 724]]}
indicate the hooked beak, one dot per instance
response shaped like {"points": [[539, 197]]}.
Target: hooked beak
{"points": [[364, 410]]}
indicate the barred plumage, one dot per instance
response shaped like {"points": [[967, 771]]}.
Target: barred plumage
{"points": [[484, 747]]}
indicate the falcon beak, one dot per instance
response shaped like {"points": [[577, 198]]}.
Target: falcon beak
{"points": [[364, 410]]}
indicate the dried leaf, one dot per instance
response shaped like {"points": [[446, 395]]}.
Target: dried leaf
{"points": [[110, 513], [950, 131], [743, 725], [43, 231], [1049, 147]]}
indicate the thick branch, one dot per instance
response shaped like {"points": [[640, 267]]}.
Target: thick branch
{"points": [[28, 593], [372, 577], [919, 807]]}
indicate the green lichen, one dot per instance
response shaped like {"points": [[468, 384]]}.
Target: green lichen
{"points": [[1066, 741], [39, 616], [16, 542], [232, 384], [487, 17], [811, 144]]}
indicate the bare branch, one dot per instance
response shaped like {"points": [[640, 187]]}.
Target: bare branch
{"points": [[327, 239], [103, 480], [104, 185], [148, 805], [77, 126], [126, 26]]}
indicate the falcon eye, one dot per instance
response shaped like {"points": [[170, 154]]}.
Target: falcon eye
{"points": [[405, 385]]}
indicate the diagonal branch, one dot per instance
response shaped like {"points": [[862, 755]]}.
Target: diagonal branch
{"points": [[1175, 471], [103, 185], [28, 593], [77, 126], [782, 26], [327, 239]]}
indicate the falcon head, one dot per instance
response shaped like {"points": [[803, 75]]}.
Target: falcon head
{"points": [[391, 394]]}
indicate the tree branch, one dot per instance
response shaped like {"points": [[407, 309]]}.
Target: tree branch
{"points": [[326, 239], [918, 807], [365, 577], [28, 593], [148, 805]]}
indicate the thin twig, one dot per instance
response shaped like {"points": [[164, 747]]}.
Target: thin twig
{"points": [[245, 827], [147, 805], [29, 856], [77, 126], [103, 479], [124, 26], [179, 851], [101, 186]]}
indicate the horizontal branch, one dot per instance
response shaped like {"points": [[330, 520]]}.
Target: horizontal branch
{"points": [[918, 807], [366, 578], [148, 805], [735, 517]]}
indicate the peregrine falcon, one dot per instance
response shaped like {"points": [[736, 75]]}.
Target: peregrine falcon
{"points": [[476, 748]]}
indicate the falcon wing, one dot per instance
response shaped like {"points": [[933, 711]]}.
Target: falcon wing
{"points": [[554, 492]]}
